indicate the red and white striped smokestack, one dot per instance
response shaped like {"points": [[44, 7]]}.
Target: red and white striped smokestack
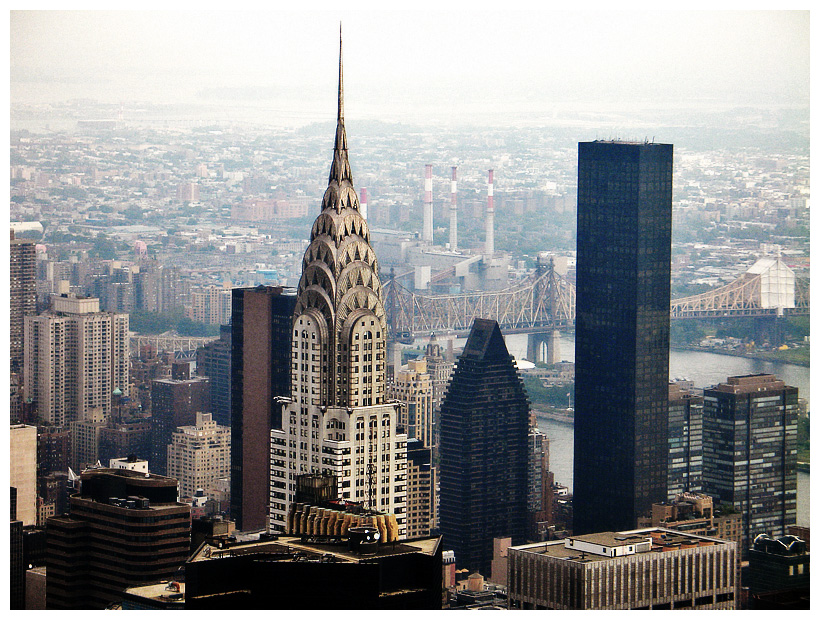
{"points": [[427, 230], [363, 202], [489, 220], [454, 212]]}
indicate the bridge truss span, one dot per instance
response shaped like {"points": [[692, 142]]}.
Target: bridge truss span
{"points": [[546, 300], [749, 295], [543, 300]]}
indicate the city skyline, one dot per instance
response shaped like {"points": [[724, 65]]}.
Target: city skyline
{"points": [[137, 218], [438, 66]]}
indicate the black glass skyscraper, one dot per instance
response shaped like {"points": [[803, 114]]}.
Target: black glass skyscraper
{"points": [[484, 450], [621, 332]]}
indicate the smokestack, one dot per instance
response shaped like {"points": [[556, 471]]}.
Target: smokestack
{"points": [[427, 231], [489, 220], [363, 202], [453, 212]]}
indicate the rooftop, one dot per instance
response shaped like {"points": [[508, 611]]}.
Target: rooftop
{"points": [[747, 384], [663, 540], [293, 549], [611, 539], [164, 591]]}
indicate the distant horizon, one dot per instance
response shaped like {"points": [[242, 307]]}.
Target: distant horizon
{"points": [[434, 67]]}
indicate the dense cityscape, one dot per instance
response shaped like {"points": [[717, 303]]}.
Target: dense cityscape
{"points": [[504, 367]]}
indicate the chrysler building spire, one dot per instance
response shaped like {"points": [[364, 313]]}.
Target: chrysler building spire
{"points": [[339, 287], [340, 168]]}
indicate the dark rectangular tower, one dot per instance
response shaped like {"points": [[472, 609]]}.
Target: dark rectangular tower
{"points": [[685, 461], [260, 371], [213, 360], [621, 332], [174, 402], [484, 450], [750, 452]]}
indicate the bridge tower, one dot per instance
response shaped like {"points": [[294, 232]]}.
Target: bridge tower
{"points": [[544, 347]]}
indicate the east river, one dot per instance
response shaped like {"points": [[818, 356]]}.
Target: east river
{"points": [[705, 369]]}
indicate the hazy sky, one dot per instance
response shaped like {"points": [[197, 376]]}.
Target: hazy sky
{"points": [[448, 64]]}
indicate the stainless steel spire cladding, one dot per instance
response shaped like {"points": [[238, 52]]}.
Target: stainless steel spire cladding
{"points": [[340, 281]]}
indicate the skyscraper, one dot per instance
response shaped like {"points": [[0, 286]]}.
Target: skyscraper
{"points": [[539, 480], [421, 486], [440, 369], [260, 371], [337, 420], [199, 455], [413, 387], [621, 332], [23, 474], [685, 462], [213, 360], [750, 452], [22, 282], [174, 403], [484, 450], [75, 357], [124, 528]]}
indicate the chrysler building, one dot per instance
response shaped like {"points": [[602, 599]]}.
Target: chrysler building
{"points": [[336, 420]]}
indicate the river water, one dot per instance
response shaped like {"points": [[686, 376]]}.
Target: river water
{"points": [[705, 369]]}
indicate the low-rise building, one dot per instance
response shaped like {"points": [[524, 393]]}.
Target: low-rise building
{"points": [[652, 568], [129, 462]]}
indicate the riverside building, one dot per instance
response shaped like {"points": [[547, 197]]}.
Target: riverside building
{"points": [[750, 452]]}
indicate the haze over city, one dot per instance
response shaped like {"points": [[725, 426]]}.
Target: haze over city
{"points": [[457, 66]]}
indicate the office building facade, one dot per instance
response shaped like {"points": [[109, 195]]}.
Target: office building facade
{"points": [[685, 462], [651, 568], [210, 305], [484, 450], [413, 388], [421, 490], [750, 452], [23, 473], [174, 403], [213, 360], [123, 529], [539, 483], [335, 576], [260, 371], [120, 439], [621, 332], [23, 288], [779, 565]]}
